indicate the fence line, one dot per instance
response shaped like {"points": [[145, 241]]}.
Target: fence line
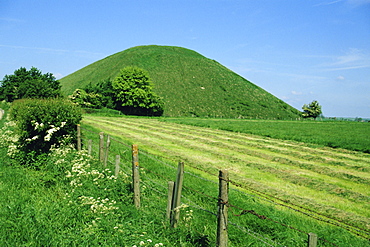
{"points": [[266, 197], [162, 193], [104, 152], [195, 206], [350, 228]]}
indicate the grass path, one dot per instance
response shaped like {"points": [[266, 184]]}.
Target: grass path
{"points": [[327, 180]]}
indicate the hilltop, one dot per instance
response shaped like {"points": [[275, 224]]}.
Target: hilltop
{"points": [[189, 83]]}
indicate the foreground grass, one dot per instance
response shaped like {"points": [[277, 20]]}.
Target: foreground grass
{"points": [[40, 209], [72, 200]]}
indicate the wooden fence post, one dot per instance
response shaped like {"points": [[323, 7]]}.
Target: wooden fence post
{"points": [[312, 240], [117, 168], [171, 186], [106, 151], [78, 137], [176, 201], [101, 147], [135, 175], [89, 147], [223, 200]]}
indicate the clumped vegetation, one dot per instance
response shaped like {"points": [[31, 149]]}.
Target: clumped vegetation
{"points": [[312, 110], [131, 92], [40, 125], [29, 84], [87, 100], [189, 83]]}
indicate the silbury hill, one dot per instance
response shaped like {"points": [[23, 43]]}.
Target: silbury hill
{"points": [[189, 83]]}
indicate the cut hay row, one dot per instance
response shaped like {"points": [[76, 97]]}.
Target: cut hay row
{"points": [[319, 178]]}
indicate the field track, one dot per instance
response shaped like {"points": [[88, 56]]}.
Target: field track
{"points": [[333, 181]]}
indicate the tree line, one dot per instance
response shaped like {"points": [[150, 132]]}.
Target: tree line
{"points": [[131, 92]]}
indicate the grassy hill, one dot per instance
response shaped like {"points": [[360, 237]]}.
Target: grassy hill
{"points": [[189, 83]]}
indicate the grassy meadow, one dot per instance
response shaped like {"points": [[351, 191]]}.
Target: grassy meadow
{"points": [[280, 191]]}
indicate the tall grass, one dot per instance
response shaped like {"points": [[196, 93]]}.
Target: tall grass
{"points": [[72, 200]]}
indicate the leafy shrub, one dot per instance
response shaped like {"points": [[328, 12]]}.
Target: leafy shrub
{"points": [[312, 110], [42, 124], [88, 100]]}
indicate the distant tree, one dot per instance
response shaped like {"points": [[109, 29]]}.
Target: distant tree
{"points": [[133, 93], [312, 110], [29, 84]]}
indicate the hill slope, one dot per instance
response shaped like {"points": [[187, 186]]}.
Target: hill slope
{"points": [[190, 84]]}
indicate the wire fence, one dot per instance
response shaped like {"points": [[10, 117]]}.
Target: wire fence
{"points": [[201, 194]]}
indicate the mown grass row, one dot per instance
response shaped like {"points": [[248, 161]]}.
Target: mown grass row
{"points": [[270, 178], [200, 194], [260, 148], [289, 179]]}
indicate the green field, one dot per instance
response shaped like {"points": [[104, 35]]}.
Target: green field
{"points": [[322, 181], [279, 190], [338, 134]]}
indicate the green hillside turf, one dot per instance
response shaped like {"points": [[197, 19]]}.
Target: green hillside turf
{"points": [[189, 83]]}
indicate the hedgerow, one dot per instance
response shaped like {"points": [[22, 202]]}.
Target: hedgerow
{"points": [[41, 124]]}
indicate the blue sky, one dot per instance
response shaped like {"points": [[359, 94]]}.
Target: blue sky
{"points": [[298, 50]]}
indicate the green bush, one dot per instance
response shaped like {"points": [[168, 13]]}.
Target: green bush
{"points": [[134, 94], [42, 124], [87, 100]]}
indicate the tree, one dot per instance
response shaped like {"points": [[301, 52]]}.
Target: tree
{"points": [[133, 93], [29, 84], [313, 110], [105, 90]]}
